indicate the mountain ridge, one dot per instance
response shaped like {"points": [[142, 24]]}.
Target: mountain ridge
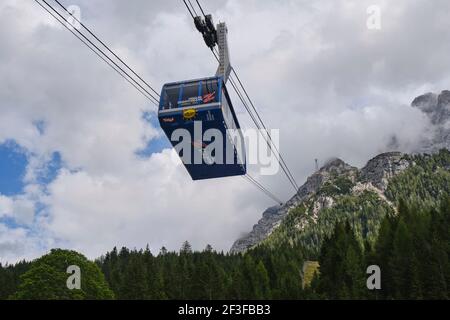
{"points": [[374, 177]]}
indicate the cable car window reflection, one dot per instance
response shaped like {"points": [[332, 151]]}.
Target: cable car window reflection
{"points": [[190, 95], [170, 97]]}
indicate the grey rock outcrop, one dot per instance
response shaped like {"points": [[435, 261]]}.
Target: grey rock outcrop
{"points": [[383, 167], [437, 109], [271, 217]]}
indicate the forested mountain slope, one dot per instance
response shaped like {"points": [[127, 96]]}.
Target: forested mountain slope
{"points": [[340, 192]]}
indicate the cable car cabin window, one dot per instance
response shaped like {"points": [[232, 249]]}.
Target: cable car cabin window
{"points": [[210, 89], [190, 95], [170, 97]]}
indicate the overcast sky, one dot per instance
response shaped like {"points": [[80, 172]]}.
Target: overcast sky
{"points": [[83, 163]]}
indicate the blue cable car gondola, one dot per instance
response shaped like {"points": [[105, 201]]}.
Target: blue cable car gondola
{"points": [[184, 105]]}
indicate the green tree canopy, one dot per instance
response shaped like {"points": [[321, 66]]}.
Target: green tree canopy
{"points": [[47, 277]]}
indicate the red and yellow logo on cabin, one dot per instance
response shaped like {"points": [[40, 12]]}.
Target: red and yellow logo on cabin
{"points": [[189, 114]]}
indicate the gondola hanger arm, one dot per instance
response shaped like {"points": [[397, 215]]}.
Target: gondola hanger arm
{"points": [[224, 69]]}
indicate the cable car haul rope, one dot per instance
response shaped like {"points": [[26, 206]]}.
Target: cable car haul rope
{"points": [[180, 103]]}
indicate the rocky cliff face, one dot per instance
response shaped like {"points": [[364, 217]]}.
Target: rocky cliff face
{"points": [[374, 175], [383, 167], [274, 215]]}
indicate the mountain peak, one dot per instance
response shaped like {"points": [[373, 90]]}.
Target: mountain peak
{"points": [[335, 164], [437, 108], [444, 98], [425, 102], [383, 167]]}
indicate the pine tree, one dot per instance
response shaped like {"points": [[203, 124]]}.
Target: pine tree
{"points": [[186, 248], [262, 282], [330, 281], [236, 289], [401, 262], [415, 289], [135, 281], [157, 290], [383, 254], [163, 251]]}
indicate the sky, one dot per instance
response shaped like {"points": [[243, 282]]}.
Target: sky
{"points": [[84, 165]]}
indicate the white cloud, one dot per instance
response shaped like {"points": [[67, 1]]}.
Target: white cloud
{"points": [[154, 203], [18, 208], [6, 205], [17, 244], [333, 87]]}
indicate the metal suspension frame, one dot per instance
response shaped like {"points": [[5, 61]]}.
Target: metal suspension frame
{"points": [[224, 68], [216, 35]]}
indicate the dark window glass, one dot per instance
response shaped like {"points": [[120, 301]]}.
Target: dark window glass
{"points": [[190, 94], [171, 97], [190, 97]]}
